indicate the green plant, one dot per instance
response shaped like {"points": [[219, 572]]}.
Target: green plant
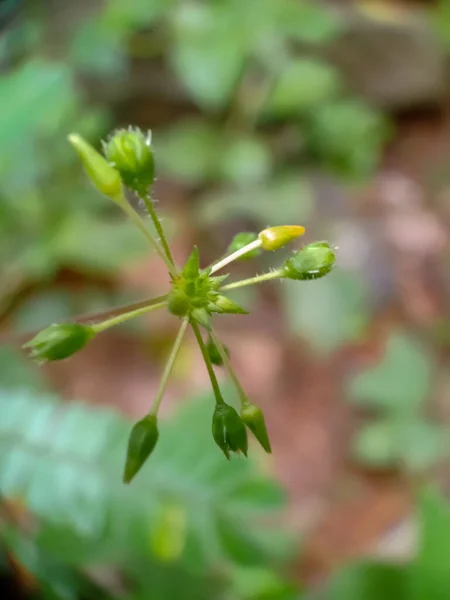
{"points": [[195, 295], [178, 531], [401, 435]]}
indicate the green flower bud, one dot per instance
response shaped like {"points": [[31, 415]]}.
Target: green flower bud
{"points": [[192, 265], [104, 177], [274, 238], [228, 430], [214, 354], [129, 151], [222, 304], [311, 262], [142, 440], [241, 240], [253, 417], [59, 341], [178, 303]]}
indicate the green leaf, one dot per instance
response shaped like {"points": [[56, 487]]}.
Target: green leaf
{"points": [[207, 55], [348, 136], [400, 382], [304, 21], [245, 160], [188, 151], [302, 85], [429, 572], [370, 581], [328, 311]]}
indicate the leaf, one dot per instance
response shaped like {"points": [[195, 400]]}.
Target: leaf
{"points": [[287, 198], [188, 151], [327, 312], [429, 572], [306, 22], [400, 382], [244, 160], [207, 55], [302, 85], [413, 444], [348, 136], [370, 581]]}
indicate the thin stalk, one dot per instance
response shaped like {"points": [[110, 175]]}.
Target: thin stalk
{"points": [[99, 327], [229, 367], [232, 257], [168, 368], [139, 222], [158, 226], [212, 375], [258, 279]]}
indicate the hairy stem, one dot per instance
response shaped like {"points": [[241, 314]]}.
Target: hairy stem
{"points": [[158, 226], [253, 280], [126, 316], [212, 375], [168, 368]]}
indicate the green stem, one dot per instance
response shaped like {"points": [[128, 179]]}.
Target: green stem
{"points": [[258, 279], [228, 259], [212, 375], [168, 368], [139, 222], [229, 367], [158, 226], [117, 320]]}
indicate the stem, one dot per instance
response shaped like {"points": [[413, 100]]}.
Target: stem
{"points": [[158, 226], [139, 222], [212, 375], [168, 368], [99, 327], [235, 255], [258, 279], [229, 367]]}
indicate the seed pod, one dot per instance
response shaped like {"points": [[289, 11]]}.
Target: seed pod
{"points": [[214, 354], [228, 430], [311, 262], [253, 417], [104, 177], [274, 238], [142, 441], [59, 341], [130, 152]]}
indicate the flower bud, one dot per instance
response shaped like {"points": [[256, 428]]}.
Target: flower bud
{"points": [[222, 304], [214, 354], [129, 151], [59, 341], [192, 265], [253, 417], [311, 262], [274, 238], [104, 177], [241, 240], [142, 440], [228, 430], [178, 303]]}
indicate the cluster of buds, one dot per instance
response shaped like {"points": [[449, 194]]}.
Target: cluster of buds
{"points": [[194, 296]]}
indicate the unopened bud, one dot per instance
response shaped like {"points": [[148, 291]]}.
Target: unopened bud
{"points": [[222, 304], [228, 430], [241, 240], [59, 341], [104, 177], [311, 262], [129, 151], [253, 417], [274, 238], [142, 441]]}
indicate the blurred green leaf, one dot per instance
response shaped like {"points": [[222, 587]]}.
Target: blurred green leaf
{"points": [[262, 584], [244, 160], [207, 55], [376, 444], [348, 136], [327, 312], [305, 21], [370, 581], [399, 382], [16, 371], [302, 86]]}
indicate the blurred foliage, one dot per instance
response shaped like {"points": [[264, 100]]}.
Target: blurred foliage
{"points": [[396, 389], [176, 531]]}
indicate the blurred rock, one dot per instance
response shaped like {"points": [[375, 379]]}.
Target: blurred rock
{"points": [[391, 56]]}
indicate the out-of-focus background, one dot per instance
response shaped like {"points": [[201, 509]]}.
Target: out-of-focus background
{"points": [[335, 115]]}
